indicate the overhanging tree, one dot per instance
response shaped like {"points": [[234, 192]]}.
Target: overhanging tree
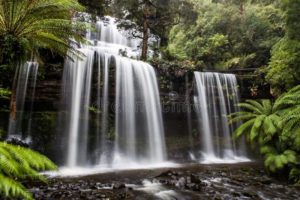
{"points": [[28, 26]]}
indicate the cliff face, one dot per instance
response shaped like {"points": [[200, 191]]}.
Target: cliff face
{"points": [[176, 94], [48, 88], [175, 82]]}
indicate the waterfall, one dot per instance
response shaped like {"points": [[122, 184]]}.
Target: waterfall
{"points": [[138, 113], [137, 135], [76, 100], [216, 96], [26, 76]]}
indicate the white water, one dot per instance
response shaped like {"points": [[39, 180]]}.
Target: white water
{"points": [[26, 75], [76, 96], [140, 135], [216, 96], [138, 138]]}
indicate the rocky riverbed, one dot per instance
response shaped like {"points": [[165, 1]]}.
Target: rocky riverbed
{"points": [[217, 182]]}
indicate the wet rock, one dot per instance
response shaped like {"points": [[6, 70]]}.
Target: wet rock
{"points": [[19, 142], [223, 174], [179, 173], [168, 173], [266, 181], [118, 186], [85, 190], [188, 180], [250, 194], [193, 186], [195, 179], [181, 183]]}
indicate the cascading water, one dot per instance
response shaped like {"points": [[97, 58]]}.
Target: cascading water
{"points": [[26, 76], [216, 96], [138, 118], [76, 99], [138, 133]]}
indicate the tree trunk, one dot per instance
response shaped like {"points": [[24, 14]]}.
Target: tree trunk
{"points": [[146, 15], [13, 105], [242, 7], [145, 40]]}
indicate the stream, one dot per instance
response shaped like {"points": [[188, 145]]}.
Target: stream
{"points": [[187, 182]]}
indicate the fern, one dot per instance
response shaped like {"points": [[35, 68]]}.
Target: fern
{"points": [[295, 175], [43, 24], [276, 161], [275, 126], [11, 188], [20, 163]]}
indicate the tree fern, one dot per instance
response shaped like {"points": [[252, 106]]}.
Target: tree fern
{"points": [[275, 126], [275, 160], [260, 123], [20, 163], [34, 25], [11, 188]]}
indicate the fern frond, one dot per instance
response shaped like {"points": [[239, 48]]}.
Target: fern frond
{"points": [[256, 104], [20, 163], [241, 117], [255, 131], [244, 128], [11, 188], [267, 107], [250, 107]]}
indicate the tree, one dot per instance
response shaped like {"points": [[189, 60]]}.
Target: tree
{"points": [[28, 26], [221, 39], [145, 16], [283, 71], [97, 7]]}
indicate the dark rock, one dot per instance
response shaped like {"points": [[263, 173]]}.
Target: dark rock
{"points": [[250, 194], [118, 186], [195, 179]]}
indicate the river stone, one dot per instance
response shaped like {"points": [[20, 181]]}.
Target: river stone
{"points": [[118, 186]]}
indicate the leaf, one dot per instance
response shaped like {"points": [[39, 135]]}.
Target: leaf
{"points": [[256, 127], [250, 107], [244, 128], [11, 188], [20, 163]]}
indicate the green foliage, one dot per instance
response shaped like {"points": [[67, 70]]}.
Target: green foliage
{"points": [[275, 127], [94, 110], [223, 37], [275, 161], [262, 121], [18, 163], [292, 17], [4, 93], [2, 133], [27, 26], [158, 16], [295, 175], [97, 7], [283, 71]]}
